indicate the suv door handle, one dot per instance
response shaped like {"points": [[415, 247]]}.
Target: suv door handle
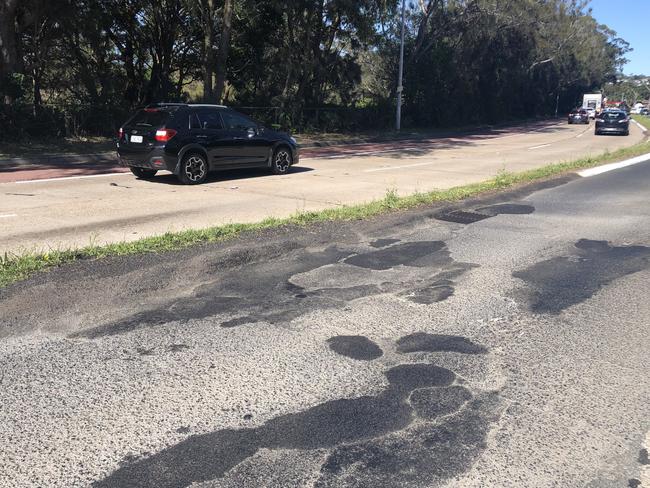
{"points": [[201, 137]]}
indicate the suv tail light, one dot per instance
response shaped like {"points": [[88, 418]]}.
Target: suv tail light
{"points": [[163, 135], [120, 134]]}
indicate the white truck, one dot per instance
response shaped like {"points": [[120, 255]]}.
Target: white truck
{"points": [[592, 103]]}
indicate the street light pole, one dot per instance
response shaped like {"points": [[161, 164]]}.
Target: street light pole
{"points": [[400, 88]]}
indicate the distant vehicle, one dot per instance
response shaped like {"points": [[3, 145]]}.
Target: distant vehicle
{"points": [[613, 121], [578, 116], [191, 140], [644, 111], [591, 112], [592, 102]]}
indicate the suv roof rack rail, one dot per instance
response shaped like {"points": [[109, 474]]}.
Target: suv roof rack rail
{"points": [[207, 105], [164, 104]]}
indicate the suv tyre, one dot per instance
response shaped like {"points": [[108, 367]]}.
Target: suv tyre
{"points": [[193, 169]]}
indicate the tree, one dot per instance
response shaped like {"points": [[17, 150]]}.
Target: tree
{"points": [[466, 60], [9, 59]]}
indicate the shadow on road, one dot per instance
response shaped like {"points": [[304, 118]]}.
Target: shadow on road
{"points": [[228, 175]]}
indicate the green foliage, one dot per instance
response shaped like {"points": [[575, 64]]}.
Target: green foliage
{"points": [[80, 66], [630, 89], [492, 60]]}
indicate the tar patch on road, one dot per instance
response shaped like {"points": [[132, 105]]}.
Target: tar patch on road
{"points": [[369, 440], [433, 292], [470, 217], [507, 209], [355, 347], [431, 403], [558, 283], [643, 457], [423, 272], [379, 243], [421, 342], [420, 253], [462, 217]]}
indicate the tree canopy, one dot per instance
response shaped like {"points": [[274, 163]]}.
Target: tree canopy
{"points": [[82, 65]]}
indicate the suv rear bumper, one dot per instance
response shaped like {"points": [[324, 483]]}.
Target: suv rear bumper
{"points": [[608, 129], [153, 159]]}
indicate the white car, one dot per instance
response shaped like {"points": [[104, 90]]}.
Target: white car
{"points": [[592, 112]]}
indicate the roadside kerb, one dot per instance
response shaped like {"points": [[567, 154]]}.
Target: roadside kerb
{"points": [[612, 166], [641, 126]]}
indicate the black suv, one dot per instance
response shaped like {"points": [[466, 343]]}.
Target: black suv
{"points": [[191, 139], [579, 116], [613, 122]]}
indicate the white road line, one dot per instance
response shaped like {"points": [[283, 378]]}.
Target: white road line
{"points": [[612, 166], [6, 216], [580, 135], [60, 178], [539, 147], [643, 129]]}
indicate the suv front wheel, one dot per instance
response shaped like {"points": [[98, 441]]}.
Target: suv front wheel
{"points": [[193, 169]]}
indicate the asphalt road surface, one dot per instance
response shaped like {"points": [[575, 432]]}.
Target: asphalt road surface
{"points": [[44, 207], [411, 350]]}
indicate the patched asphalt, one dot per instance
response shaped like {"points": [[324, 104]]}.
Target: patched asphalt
{"points": [[505, 349]]}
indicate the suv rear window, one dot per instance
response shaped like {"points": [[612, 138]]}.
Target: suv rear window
{"points": [[614, 115], [149, 118]]}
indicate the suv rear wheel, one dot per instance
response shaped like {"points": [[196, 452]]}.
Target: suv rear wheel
{"points": [[281, 160], [194, 169], [143, 173]]}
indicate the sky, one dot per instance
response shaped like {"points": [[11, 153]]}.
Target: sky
{"points": [[631, 21]]}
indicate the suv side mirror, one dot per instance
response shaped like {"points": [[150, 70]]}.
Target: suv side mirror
{"points": [[251, 131]]}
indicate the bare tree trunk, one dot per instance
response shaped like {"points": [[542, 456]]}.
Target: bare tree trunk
{"points": [[207, 16], [224, 48], [8, 47], [38, 99]]}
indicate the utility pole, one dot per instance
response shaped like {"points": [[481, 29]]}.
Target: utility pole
{"points": [[400, 88]]}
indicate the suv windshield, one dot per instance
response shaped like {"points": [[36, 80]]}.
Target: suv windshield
{"points": [[149, 118]]}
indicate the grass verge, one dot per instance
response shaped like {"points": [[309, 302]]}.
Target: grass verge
{"points": [[18, 267], [643, 120]]}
